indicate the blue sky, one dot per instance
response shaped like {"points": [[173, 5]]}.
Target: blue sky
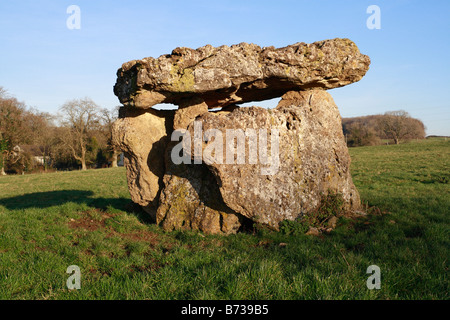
{"points": [[44, 64]]}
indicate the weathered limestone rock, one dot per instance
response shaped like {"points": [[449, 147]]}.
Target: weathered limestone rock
{"points": [[300, 149], [143, 136], [311, 158], [190, 200], [176, 196], [189, 109], [241, 73]]}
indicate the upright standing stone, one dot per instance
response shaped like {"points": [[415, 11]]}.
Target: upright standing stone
{"points": [[311, 158]]}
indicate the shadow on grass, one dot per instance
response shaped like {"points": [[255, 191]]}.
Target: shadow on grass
{"points": [[42, 200]]}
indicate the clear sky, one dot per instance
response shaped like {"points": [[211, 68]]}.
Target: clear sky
{"points": [[44, 63]]}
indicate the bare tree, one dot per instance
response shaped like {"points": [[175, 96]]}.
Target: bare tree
{"points": [[108, 119], [40, 125], [399, 125], [80, 117], [12, 128]]}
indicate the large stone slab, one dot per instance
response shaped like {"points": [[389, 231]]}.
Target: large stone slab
{"points": [[311, 158], [241, 73], [191, 200], [178, 197]]}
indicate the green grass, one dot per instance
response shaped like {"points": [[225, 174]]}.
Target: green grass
{"points": [[49, 222]]}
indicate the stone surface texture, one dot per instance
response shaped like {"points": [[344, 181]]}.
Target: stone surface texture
{"points": [[241, 73], [313, 158], [306, 154], [143, 137]]}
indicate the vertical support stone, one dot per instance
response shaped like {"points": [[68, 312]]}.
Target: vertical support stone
{"points": [[188, 110], [143, 136]]}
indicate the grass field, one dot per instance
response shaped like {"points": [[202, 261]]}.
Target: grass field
{"points": [[49, 222]]}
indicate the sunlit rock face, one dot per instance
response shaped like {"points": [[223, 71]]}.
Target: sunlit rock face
{"points": [[241, 164]]}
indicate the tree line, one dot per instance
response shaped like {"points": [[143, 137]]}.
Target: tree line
{"points": [[392, 127], [78, 137]]}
